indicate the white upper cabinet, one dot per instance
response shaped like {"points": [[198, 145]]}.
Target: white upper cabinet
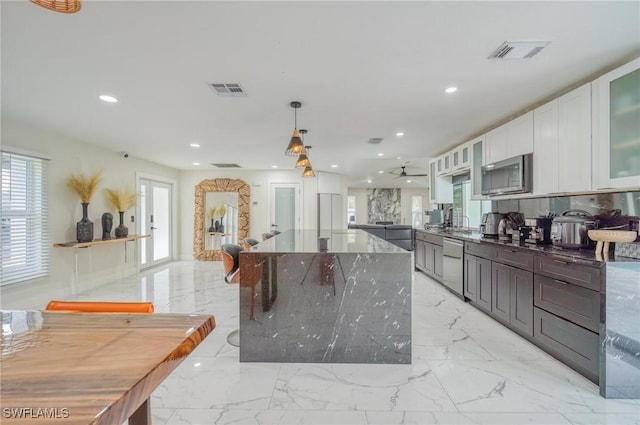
{"points": [[545, 148], [616, 128], [476, 167], [440, 187], [461, 157], [574, 147], [562, 144], [443, 164], [509, 140]]}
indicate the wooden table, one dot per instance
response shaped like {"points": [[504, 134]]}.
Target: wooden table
{"points": [[90, 368]]}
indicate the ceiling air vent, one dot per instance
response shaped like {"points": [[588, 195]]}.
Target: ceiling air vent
{"points": [[228, 89], [375, 140], [226, 165], [518, 49]]}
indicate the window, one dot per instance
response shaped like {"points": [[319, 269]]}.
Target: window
{"points": [[351, 209], [472, 210], [24, 233], [416, 211], [230, 222]]}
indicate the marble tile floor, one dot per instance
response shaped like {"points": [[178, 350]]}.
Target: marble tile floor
{"points": [[467, 368]]}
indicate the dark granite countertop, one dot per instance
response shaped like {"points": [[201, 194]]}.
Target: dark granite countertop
{"points": [[581, 256]]}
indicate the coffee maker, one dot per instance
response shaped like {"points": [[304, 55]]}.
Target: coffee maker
{"points": [[540, 230]]}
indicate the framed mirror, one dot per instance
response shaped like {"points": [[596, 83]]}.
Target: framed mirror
{"points": [[214, 193]]}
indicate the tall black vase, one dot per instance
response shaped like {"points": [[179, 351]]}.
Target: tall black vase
{"points": [[212, 228], [122, 231], [84, 228]]}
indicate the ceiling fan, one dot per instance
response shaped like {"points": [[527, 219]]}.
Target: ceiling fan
{"points": [[403, 172]]}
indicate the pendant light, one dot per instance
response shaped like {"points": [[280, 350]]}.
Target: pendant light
{"points": [[308, 171], [296, 147], [64, 6], [303, 159]]}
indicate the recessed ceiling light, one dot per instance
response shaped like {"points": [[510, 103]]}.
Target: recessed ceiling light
{"points": [[409, 181], [195, 145], [451, 90], [381, 172], [334, 165], [368, 181], [196, 163], [380, 154], [399, 134], [398, 157], [107, 98], [274, 166]]}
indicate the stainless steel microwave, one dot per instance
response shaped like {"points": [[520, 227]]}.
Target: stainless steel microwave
{"points": [[513, 175]]}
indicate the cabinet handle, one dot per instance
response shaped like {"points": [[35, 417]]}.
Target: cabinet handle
{"points": [[561, 262], [559, 281]]}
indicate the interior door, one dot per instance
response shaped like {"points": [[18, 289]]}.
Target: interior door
{"points": [[285, 206], [156, 206]]}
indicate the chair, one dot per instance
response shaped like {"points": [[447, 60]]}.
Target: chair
{"points": [[247, 243], [101, 306], [231, 262]]}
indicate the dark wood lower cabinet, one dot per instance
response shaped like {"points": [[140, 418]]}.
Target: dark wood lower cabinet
{"points": [[501, 291], [570, 343], [470, 283], [419, 254], [512, 296], [437, 262], [429, 258], [477, 281]]}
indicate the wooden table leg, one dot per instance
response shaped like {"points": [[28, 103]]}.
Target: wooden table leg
{"points": [[142, 416]]}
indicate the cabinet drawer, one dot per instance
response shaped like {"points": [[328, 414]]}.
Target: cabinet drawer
{"points": [[565, 270], [420, 235], [478, 249], [574, 303], [514, 258], [434, 239], [574, 345]]}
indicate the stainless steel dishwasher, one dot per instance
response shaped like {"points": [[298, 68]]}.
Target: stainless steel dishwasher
{"points": [[453, 264]]}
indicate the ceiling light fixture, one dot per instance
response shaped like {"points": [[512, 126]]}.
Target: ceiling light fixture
{"points": [[334, 165], [369, 181], [107, 98], [194, 145], [196, 163], [380, 154], [295, 147], [450, 90], [381, 172], [399, 134], [274, 166], [303, 159], [64, 6], [308, 170]]}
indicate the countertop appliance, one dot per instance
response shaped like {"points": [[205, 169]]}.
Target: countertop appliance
{"points": [[489, 224], [569, 230], [508, 224], [453, 264], [513, 175], [540, 230]]}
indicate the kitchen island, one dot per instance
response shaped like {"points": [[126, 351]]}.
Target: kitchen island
{"points": [[582, 308], [347, 303]]}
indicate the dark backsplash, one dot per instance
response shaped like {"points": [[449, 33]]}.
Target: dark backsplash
{"points": [[599, 203]]}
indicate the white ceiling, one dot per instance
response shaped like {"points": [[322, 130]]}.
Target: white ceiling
{"points": [[361, 70]]}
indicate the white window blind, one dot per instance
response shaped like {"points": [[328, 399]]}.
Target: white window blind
{"points": [[24, 234]]}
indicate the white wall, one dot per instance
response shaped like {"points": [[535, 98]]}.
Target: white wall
{"points": [[259, 209], [69, 155], [405, 203]]}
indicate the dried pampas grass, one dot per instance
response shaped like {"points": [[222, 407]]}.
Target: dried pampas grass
{"points": [[84, 186], [222, 210], [122, 199], [212, 212]]}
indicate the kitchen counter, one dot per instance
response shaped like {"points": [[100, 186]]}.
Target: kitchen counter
{"points": [[350, 303], [603, 288], [578, 256]]}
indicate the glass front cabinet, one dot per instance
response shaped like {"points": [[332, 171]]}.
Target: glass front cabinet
{"points": [[616, 125]]}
